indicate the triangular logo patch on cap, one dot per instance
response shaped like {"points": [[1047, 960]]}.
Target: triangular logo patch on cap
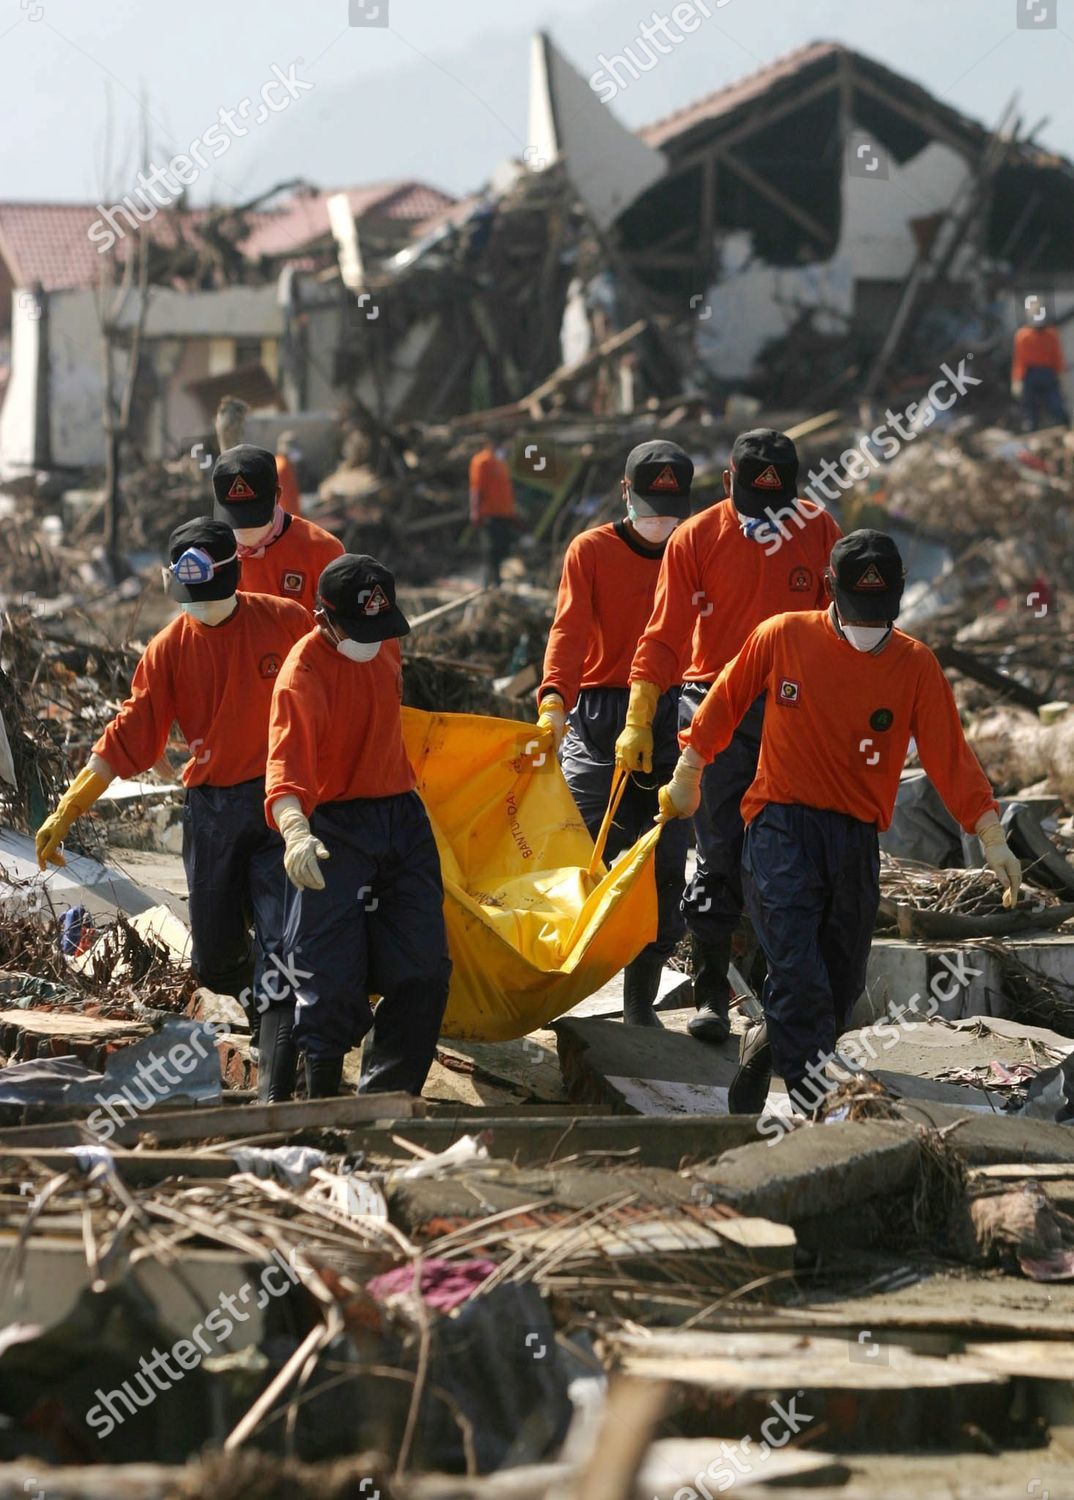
{"points": [[377, 602], [871, 579], [667, 479], [767, 479], [240, 490]]}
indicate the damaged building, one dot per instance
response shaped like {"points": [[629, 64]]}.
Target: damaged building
{"points": [[566, 1263]]}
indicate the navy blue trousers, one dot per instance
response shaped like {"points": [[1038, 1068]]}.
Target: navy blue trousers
{"points": [[812, 887], [377, 928], [1042, 397], [713, 903], [235, 878], [587, 756]]}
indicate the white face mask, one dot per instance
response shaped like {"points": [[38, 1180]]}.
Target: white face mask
{"points": [[652, 529], [211, 612], [358, 650], [249, 536], [865, 637]]}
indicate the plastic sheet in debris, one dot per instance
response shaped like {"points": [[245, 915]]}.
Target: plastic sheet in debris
{"points": [[180, 1061], [1050, 1095], [531, 932], [461, 1153]]}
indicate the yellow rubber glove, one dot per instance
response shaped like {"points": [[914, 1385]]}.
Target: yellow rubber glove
{"points": [[682, 795], [301, 849], [77, 799], [634, 747], [553, 718], [999, 857]]}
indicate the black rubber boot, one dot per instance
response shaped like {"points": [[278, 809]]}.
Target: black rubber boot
{"points": [[712, 992], [324, 1075], [641, 980], [749, 1087], [278, 1057]]}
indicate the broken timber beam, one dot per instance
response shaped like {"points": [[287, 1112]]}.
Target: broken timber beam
{"points": [[965, 662], [229, 1122]]}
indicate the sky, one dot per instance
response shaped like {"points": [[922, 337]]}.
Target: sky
{"points": [[439, 92]]}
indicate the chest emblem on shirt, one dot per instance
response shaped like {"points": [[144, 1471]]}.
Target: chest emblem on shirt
{"points": [[881, 719], [293, 582], [789, 692], [801, 580], [270, 664]]}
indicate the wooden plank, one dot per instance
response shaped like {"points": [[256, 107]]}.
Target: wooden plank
{"points": [[933, 127], [812, 226], [643, 1140], [136, 1168], [760, 121], [965, 662], [447, 609], [633, 1411], [229, 1122], [814, 424]]}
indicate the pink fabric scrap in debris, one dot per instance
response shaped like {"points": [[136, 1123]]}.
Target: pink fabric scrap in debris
{"points": [[445, 1284]]}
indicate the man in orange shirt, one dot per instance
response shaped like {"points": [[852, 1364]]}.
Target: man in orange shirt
{"points": [[756, 553], [605, 599], [365, 905], [1035, 370], [492, 506], [212, 669], [281, 554], [846, 691], [287, 455]]}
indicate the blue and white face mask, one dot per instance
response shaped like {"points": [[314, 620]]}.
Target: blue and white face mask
{"points": [[756, 528]]}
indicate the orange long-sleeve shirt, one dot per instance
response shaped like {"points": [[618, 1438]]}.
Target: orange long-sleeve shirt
{"points": [[292, 565], [605, 598], [216, 681], [717, 585], [1036, 346], [290, 494], [491, 490], [838, 722], [335, 731]]}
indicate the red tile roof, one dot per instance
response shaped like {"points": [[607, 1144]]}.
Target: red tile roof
{"points": [[49, 242], [734, 95], [303, 219]]}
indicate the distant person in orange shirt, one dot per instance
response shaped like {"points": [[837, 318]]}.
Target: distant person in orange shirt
{"points": [[605, 599], [281, 554], [212, 669], [492, 507], [364, 909], [287, 455], [846, 692], [752, 555], [1035, 370]]}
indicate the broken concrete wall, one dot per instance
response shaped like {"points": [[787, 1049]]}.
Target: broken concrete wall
{"points": [[753, 302]]}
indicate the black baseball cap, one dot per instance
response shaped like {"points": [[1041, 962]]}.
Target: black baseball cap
{"points": [[867, 577], [245, 482], [659, 476], [357, 594], [764, 471], [202, 561]]}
